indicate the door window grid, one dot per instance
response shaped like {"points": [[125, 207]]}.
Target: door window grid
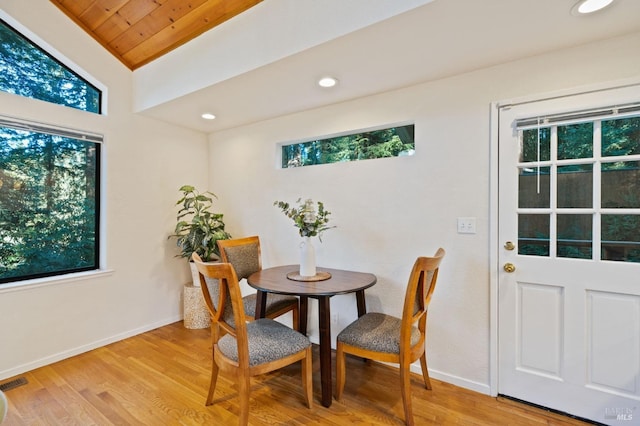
{"points": [[597, 211]]}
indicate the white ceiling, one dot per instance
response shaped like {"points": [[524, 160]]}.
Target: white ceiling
{"points": [[432, 41]]}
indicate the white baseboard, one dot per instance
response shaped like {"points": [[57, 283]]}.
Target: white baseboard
{"points": [[483, 388], [455, 380], [32, 365], [23, 368]]}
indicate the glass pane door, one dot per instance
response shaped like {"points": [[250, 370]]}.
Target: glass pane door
{"points": [[620, 189], [579, 190]]}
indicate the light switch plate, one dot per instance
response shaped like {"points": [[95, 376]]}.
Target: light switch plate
{"points": [[466, 225]]}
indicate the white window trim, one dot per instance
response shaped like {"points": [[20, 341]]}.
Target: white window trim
{"points": [[102, 230], [15, 286]]}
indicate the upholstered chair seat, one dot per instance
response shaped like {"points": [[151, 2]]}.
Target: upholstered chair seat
{"points": [[377, 332], [275, 303], [265, 342]]}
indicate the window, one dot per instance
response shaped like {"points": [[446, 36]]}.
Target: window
{"points": [[364, 145], [49, 175], [29, 71], [579, 187], [49, 210]]}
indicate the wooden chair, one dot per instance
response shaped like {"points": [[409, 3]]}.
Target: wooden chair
{"points": [[245, 349], [245, 256], [381, 337]]}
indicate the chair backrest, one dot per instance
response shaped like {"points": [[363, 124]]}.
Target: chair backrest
{"points": [[229, 287], [243, 253], [217, 297], [422, 282]]}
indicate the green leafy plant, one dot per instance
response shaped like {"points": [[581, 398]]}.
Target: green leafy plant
{"points": [[198, 228], [311, 222]]}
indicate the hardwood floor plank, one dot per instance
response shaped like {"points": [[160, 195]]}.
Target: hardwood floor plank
{"points": [[162, 378]]}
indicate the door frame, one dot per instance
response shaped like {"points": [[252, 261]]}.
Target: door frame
{"points": [[494, 243]]}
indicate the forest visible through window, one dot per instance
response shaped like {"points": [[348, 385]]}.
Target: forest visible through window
{"points": [[48, 205], [364, 145], [29, 71], [49, 175]]}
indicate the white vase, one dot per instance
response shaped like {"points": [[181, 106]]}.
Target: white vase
{"points": [[307, 258]]}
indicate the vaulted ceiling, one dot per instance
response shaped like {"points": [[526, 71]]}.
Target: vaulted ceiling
{"points": [[139, 31], [265, 62]]}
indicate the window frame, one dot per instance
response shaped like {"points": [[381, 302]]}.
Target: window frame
{"points": [[79, 135], [71, 120]]}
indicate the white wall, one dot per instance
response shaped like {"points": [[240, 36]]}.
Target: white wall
{"points": [[389, 211], [263, 34], [145, 162]]}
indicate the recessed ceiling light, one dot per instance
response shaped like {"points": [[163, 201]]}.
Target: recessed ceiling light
{"points": [[327, 82], [584, 7], [208, 116]]}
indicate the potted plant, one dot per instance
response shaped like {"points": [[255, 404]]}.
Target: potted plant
{"points": [[198, 227]]}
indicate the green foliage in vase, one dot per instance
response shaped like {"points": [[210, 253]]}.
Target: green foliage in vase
{"points": [[309, 221], [198, 228]]}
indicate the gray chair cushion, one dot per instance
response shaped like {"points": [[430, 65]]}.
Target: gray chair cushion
{"points": [[245, 259], [376, 332], [275, 302], [268, 341]]}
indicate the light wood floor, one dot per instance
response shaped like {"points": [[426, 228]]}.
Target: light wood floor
{"points": [[161, 378]]}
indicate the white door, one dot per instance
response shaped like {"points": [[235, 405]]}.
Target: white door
{"points": [[569, 280]]}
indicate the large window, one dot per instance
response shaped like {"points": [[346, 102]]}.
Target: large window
{"points": [[49, 175], [29, 71], [364, 145], [49, 211]]}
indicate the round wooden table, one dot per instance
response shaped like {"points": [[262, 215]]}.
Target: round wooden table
{"points": [[274, 280]]}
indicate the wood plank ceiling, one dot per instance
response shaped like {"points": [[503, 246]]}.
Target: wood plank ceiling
{"points": [[139, 31]]}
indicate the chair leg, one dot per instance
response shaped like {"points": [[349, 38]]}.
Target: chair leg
{"points": [[303, 306], [425, 372], [340, 370], [296, 318], [405, 386], [307, 378], [212, 385], [244, 386]]}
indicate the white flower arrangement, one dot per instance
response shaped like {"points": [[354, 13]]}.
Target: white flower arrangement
{"points": [[310, 221]]}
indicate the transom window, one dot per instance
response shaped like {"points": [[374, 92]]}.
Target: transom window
{"points": [[364, 145]]}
